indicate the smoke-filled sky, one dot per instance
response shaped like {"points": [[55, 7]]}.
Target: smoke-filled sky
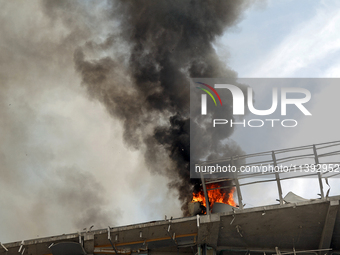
{"points": [[78, 141]]}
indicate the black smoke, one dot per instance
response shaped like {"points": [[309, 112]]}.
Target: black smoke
{"points": [[141, 72]]}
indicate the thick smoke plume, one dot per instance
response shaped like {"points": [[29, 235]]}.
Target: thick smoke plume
{"points": [[63, 164], [49, 183], [141, 74]]}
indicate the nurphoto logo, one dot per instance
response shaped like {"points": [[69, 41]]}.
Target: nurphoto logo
{"points": [[239, 101]]}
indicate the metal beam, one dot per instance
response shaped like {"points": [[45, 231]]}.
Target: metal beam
{"points": [[238, 189], [3, 246], [319, 174], [109, 238], [205, 194], [277, 176]]}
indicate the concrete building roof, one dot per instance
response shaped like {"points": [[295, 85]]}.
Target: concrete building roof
{"points": [[306, 225]]}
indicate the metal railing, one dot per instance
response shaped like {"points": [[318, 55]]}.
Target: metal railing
{"points": [[320, 160]]}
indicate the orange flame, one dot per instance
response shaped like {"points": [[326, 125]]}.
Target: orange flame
{"points": [[215, 196]]}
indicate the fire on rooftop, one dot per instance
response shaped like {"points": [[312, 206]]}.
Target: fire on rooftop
{"points": [[220, 226]]}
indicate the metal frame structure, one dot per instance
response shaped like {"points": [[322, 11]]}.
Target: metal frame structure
{"points": [[293, 160]]}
